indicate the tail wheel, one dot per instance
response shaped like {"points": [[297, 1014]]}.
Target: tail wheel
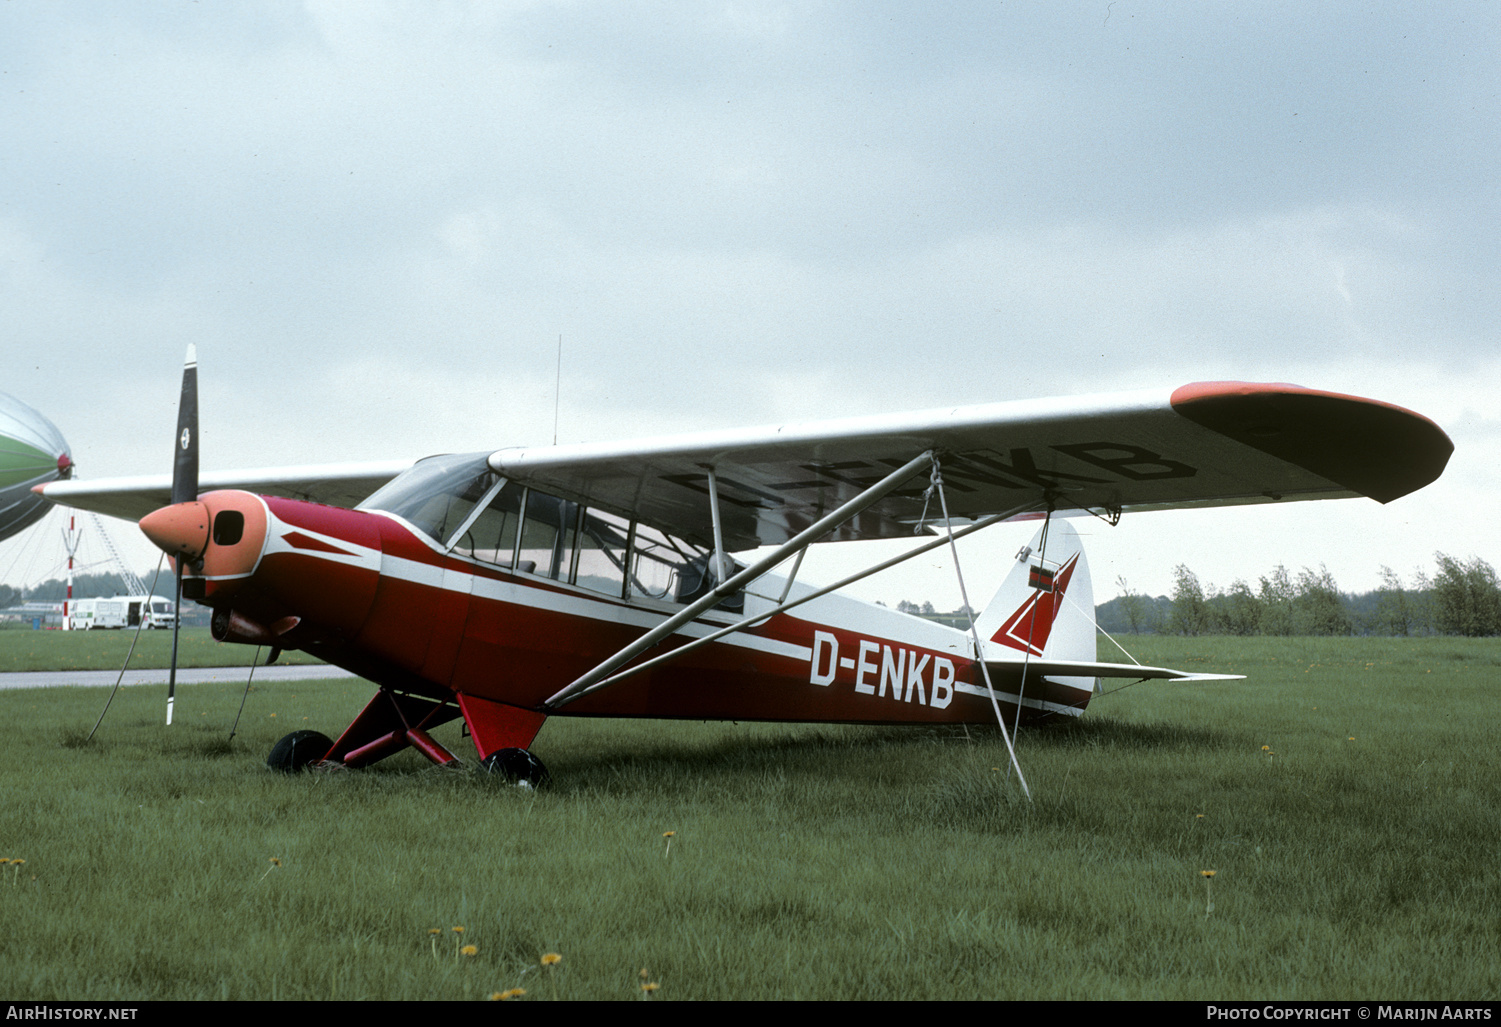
{"points": [[298, 751], [519, 767]]}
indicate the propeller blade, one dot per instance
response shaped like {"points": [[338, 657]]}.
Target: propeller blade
{"points": [[184, 489], [185, 453]]}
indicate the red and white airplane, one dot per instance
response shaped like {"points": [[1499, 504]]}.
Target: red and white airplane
{"points": [[508, 586]]}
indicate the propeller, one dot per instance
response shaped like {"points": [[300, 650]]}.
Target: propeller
{"points": [[185, 455], [181, 530]]}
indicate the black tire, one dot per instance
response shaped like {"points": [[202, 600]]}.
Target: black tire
{"points": [[298, 751], [518, 767]]}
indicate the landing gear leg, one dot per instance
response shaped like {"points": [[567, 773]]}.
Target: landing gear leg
{"points": [[501, 734]]}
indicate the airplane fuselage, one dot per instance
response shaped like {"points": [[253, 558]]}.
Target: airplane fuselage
{"points": [[366, 591]]}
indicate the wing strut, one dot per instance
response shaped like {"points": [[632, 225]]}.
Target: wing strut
{"points": [[937, 486], [716, 595], [721, 561]]}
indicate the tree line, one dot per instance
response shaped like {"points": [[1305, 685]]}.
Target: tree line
{"points": [[1458, 598], [85, 586]]}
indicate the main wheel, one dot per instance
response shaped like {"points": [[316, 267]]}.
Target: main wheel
{"points": [[518, 766], [298, 751]]}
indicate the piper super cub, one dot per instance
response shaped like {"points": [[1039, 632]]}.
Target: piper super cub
{"points": [[512, 585]]}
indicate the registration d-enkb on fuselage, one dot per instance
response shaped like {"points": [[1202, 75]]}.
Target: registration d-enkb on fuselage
{"points": [[508, 586]]}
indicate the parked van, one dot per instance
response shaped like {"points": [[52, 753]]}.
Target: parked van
{"points": [[122, 612]]}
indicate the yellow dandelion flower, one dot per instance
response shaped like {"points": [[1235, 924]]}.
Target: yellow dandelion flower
{"points": [[507, 995], [1207, 873], [643, 974], [457, 930], [669, 834], [551, 959], [435, 930], [650, 986], [275, 862], [469, 950], [1198, 816], [1266, 748]]}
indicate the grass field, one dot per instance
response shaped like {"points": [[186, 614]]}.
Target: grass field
{"points": [[1354, 855], [23, 649]]}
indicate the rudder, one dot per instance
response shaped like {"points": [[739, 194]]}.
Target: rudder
{"points": [[1046, 604]]}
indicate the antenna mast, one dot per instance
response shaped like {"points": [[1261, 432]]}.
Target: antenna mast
{"points": [[557, 390]]}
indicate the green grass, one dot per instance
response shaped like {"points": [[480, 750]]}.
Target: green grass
{"points": [[807, 861], [22, 650]]}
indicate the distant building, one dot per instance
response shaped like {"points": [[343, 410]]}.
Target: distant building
{"points": [[39, 612]]}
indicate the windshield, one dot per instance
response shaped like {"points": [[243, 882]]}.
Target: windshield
{"points": [[436, 495]]}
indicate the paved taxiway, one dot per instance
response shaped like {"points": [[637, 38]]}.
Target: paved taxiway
{"points": [[185, 676]]}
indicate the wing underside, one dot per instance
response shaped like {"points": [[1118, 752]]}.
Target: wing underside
{"points": [[1209, 444]]}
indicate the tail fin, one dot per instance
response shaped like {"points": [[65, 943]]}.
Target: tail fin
{"points": [[1046, 604]]}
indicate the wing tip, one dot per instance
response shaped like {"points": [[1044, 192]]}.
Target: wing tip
{"points": [[1377, 449]]}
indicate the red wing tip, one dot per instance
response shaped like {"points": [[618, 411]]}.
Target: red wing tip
{"points": [[1373, 448], [1207, 392], [1218, 390], [1228, 390]]}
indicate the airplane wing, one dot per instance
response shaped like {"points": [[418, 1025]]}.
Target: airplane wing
{"points": [[1205, 444], [135, 497]]}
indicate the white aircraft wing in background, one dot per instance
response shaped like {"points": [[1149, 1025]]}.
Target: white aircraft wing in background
{"points": [[134, 497]]}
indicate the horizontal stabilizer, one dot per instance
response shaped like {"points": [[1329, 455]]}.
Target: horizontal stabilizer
{"points": [[1083, 669]]}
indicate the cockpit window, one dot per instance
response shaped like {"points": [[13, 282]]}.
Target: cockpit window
{"points": [[601, 560], [547, 535], [531, 532], [657, 563], [437, 495], [491, 536]]}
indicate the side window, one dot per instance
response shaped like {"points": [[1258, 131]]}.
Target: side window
{"points": [[492, 535], [600, 564], [655, 560], [698, 576], [547, 536], [672, 570]]}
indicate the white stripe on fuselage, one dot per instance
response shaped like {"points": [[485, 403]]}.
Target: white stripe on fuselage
{"points": [[345, 553]]}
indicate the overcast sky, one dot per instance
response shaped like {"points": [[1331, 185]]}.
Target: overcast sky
{"points": [[374, 220]]}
